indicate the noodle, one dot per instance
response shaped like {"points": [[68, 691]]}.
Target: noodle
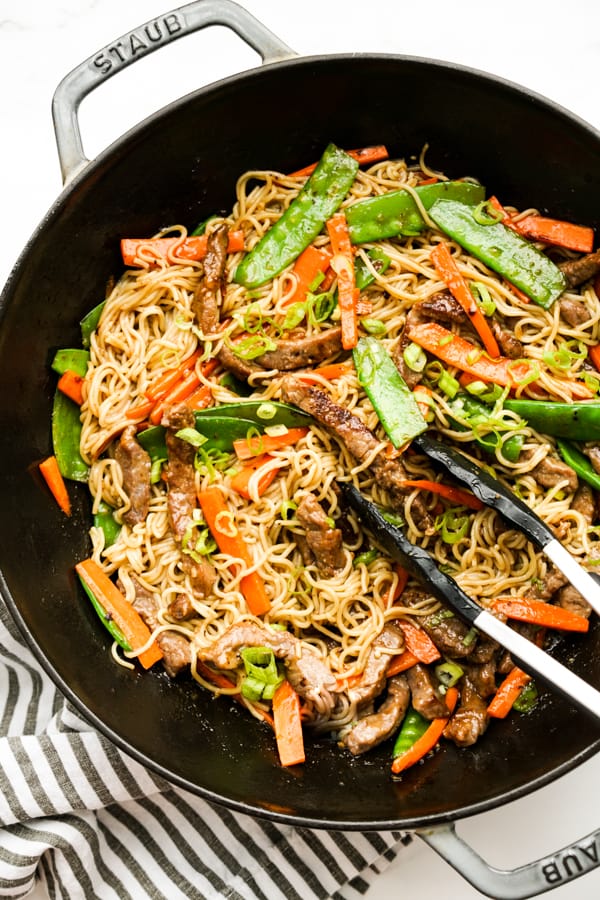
{"points": [[148, 326]]}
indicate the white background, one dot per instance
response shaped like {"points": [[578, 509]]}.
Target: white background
{"points": [[551, 47]]}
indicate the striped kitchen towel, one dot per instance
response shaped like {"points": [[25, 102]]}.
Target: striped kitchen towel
{"points": [[87, 821]]}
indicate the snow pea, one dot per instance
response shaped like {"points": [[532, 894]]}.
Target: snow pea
{"points": [[113, 629], [576, 421], [362, 275], [89, 323], [75, 360], [396, 212], [413, 727], [578, 462], [319, 199], [392, 399], [104, 518], [66, 438], [504, 251], [260, 412]]}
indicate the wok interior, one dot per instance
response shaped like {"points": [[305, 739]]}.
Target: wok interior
{"points": [[179, 167]]}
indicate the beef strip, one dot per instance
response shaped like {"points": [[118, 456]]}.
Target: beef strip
{"points": [[574, 312], [181, 608], [470, 719], [135, 465], [323, 541], [377, 727], [181, 495], [302, 352], [506, 663], [577, 271], [569, 598], [592, 451], [482, 677], [584, 503], [373, 678], [449, 634], [307, 672], [550, 583], [360, 442], [482, 650], [508, 343], [551, 470], [205, 302], [175, 647], [425, 693]]}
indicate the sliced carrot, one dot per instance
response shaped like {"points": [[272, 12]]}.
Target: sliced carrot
{"points": [[403, 576], [429, 740], [456, 351], [307, 267], [141, 411], [433, 180], [116, 606], [71, 384], [181, 390], [364, 155], [423, 395], [402, 663], [448, 271], [288, 725], [56, 483], [200, 398], [539, 613], [507, 693], [331, 373], [343, 265], [240, 481], [223, 528], [170, 377], [266, 443], [594, 355], [550, 231], [456, 494], [418, 642], [156, 250]]}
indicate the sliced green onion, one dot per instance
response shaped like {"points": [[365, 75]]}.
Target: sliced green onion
{"points": [[253, 346], [474, 356], [316, 282], [469, 637], [439, 617], [477, 388], [253, 319], [533, 375], [266, 411], [393, 518], [486, 214], [330, 522], [449, 673], [445, 340], [415, 357], [191, 436], [288, 506], [252, 689], [293, 316], [366, 558], [452, 525], [156, 470], [319, 307], [261, 671], [276, 430], [374, 326], [483, 298], [527, 699], [448, 385]]}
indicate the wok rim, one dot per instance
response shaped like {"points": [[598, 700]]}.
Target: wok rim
{"points": [[69, 188]]}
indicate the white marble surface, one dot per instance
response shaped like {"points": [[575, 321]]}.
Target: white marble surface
{"points": [[552, 48]]}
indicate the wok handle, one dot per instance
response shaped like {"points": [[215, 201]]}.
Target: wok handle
{"points": [[138, 43], [529, 880]]}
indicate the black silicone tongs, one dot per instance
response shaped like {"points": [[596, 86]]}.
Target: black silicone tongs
{"points": [[424, 568]]}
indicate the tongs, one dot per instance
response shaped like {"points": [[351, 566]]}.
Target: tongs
{"points": [[423, 567]]}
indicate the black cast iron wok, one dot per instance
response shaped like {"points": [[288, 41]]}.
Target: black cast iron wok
{"points": [[179, 166]]}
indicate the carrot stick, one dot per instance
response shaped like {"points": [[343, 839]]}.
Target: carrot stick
{"points": [[266, 443], [181, 390], [507, 693], [229, 541], [448, 271], [594, 355], [418, 642], [331, 372], [364, 155], [401, 663], [456, 494], [200, 398], [170, 377], [550, 231], [391, 598], [428, 741], [125, 616], [456, 351], [71, 384], [141, 411], [156, 250], [288, 725], [56, 483], [240, 481], [539, 613], [306, 269], [343, 265]]}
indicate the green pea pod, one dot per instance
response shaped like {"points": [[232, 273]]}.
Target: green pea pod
{"points": [[261, 412], [578, 462], [362, 275], [66, 438], [153, 441], [113, 629], [467, 407], [413, 727], [104, 518], [302, 221], [576, 421], [392, 399], [89, 323], [71, 360], [396, 212], [504, 251], [222, 431]]}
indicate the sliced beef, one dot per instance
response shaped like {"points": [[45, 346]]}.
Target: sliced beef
{"points": [[323, 541], [482, 677], [508, 343], [569, 598], [135, 465], [449, 633], [359, 440], [584, 502], [205, 302], [482, 650], [552, 470], [181, 608], [373, 679], [307, 672], [592, 451], [577, 271], [377, 727], [425, 693], [442, 307], [175, 647], [302, 352], [552, 580], [574, 312], [470, 719]]}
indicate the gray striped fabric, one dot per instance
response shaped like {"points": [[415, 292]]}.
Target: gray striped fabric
{"points": [[87, 821]]}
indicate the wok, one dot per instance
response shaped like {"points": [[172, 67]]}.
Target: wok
{"points": [[173, 168]]}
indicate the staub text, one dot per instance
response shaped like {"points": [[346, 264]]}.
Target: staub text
{"points": [[138, 42]]}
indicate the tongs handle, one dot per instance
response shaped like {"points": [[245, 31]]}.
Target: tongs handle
{"points": [[422, 565]]}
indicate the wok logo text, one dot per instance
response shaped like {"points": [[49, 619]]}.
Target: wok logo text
{"points": [[571, 863], [138, 43]]}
